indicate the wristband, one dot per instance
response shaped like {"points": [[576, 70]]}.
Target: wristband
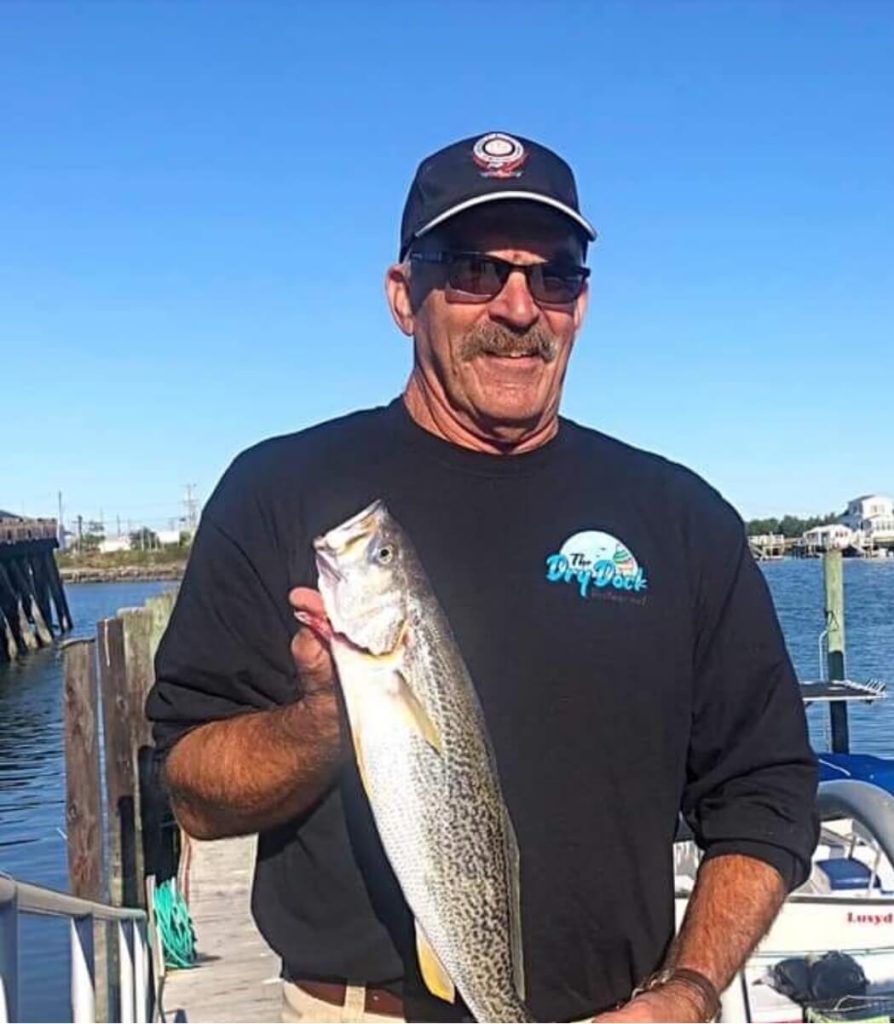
{"points": [[704, 988]]}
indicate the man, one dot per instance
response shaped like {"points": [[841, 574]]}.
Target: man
{"points": [[621, 639]]}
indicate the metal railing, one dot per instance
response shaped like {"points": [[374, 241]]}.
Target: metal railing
{"points": [[133, 957]]}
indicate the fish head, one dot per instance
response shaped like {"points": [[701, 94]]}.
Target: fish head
{"points": [[364, 569]]}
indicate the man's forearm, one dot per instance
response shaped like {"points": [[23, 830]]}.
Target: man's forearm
{"points": [[733, 904], [257, 770]]}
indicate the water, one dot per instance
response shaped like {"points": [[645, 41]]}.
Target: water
{"points": [[32, 795], [798, 592], [32, 791]]}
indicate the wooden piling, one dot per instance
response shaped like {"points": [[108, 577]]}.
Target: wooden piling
{"points": [[833, 573], [8, 647], [10, 604], [63, 615], [137, 632], [30, 601], [83, 796], [41, 586], [83, 813], [119, 760]]}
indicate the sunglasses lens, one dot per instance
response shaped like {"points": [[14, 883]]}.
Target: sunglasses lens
{"points": [[555, 284], [484, 277], [475, 276]]}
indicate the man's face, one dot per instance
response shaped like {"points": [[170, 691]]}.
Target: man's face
{"points": [[495, 366]]}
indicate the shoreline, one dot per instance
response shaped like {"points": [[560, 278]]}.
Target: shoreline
{"points": [[121, 573]]}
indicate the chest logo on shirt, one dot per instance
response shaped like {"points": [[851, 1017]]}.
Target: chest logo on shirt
{"points": [[596, 562]]}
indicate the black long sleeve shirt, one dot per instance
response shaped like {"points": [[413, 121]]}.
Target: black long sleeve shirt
{"points": [[627, 657]]}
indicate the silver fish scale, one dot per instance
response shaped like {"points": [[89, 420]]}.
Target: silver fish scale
{"points": [[464, 896], [449, 806], [440, 813]]}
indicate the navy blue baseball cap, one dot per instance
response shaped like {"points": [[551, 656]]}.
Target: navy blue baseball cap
{"points": [[483, 169]]}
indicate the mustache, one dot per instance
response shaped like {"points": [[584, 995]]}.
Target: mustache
{"points": [[495, 340]]}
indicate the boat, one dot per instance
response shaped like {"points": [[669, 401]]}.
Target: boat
{"points": [[830, 953]]}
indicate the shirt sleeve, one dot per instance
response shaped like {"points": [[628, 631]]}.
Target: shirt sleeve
{"points": [[751, 774], [226, 649]]}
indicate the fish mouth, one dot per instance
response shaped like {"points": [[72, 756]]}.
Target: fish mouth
{"points": [[327, 566], [341, 539]]}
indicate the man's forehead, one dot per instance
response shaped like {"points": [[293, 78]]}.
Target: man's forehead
{"points": [[511, 225]]}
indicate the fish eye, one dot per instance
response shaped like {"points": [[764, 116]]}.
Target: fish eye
{"points": [[385, 554]]}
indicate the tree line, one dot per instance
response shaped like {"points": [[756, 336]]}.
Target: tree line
{"points": [[789, 526]]}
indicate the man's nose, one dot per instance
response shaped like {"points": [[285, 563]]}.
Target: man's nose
{"points": [[515, 305]]}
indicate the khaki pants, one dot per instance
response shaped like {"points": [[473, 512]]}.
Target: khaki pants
{"points": [[298, 1006]]}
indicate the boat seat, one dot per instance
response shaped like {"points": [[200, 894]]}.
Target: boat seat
{"points": [[846, 873]]}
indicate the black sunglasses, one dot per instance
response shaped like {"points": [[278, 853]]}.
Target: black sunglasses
{"points": [[479, 277]]}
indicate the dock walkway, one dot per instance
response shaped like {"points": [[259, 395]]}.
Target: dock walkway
{"points": [[237, 976]]}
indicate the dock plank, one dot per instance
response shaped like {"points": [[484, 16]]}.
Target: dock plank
{"points": [[237, 976]]}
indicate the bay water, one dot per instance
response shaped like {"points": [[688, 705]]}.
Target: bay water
{"points": [[32, 786]]}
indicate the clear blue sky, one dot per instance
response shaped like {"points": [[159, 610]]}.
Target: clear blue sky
{"points": [[198, 201]]}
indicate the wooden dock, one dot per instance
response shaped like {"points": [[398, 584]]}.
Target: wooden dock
{"points": [[237, 974], [30, 586]]}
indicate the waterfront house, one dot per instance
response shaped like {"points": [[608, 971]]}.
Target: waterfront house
{"points": [[835, 536], [872, 516]]}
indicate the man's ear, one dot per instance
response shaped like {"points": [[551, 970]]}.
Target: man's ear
{"points": [[397, 289]]}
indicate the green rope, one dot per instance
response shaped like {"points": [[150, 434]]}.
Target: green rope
{"points": [[175, 926]]}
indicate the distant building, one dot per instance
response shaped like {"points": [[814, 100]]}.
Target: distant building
{"points": [[872, 516], [168, 536], [831, 537], [108, 545]]}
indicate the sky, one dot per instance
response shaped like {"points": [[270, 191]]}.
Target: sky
{"points": [[198, 201]]}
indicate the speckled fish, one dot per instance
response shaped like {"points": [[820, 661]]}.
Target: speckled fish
{"points": [[426, 763]]}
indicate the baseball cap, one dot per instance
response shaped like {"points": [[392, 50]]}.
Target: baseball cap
{"points": [[483, 169]]}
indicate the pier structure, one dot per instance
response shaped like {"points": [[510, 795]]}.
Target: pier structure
{"points": [[30, 586], [768, 546]]}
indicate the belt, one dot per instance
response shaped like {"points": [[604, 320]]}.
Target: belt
{"points": [[375, 1000]]}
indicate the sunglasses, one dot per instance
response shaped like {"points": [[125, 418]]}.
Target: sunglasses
{"points": [[477, 277]]}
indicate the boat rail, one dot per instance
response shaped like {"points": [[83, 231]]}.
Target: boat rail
{"points": [[133, 957]]}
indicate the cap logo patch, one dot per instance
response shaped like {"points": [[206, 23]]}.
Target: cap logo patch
{"points": [[499, 156]]}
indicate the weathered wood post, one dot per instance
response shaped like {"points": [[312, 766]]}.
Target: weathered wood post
{"points": [[10, 605], [161, 845], [83, 801], [137, 630], [41, 586], [83, 812], [8, 646], [119, 760], [63, 615], [21, 576], [833, 572]]}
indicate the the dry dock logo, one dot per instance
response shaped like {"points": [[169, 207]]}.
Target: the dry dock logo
{"points": [[599, 565]]}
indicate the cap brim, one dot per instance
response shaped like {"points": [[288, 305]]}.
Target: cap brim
{"points": [[491, 197]]}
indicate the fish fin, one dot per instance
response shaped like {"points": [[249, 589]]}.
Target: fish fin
{"points": [[436, 978], [516, 945], [414, 713]]}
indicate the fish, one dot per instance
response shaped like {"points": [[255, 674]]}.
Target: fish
{"points": [[426, 763]]}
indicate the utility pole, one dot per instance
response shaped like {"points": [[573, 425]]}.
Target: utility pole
{"points": [[80, 534], [191, 505]]}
